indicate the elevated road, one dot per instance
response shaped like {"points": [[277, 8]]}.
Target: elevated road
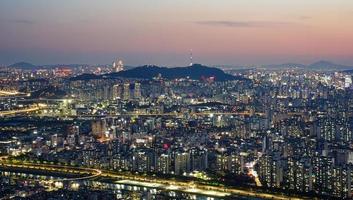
{"points": [[11, 93], [148, 181], [33, 108], [85, 173], [132, 114]]}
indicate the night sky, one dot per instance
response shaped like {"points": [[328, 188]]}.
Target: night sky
{"points": [[162, 32]]}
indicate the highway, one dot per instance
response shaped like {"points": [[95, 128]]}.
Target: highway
{"points": [[85, 173], [11, 93], [33, 108], [180, 115], [148, 181]]}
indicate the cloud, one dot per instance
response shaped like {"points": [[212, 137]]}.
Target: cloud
{"points": [[21, 21], [245, 24]]}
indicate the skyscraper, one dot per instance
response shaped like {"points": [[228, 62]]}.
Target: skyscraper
{"points": [[126, 91], [163, 163], [117, 91], [181, 163], [98, 128], [118, 66], [137, 91]]}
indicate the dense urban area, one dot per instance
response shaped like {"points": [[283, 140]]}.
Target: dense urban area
{"points": [[115, 132]]}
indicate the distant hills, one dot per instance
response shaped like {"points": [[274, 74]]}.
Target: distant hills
{"points": [[169, 72], [320, 65], [349, 71], [23, 65], [30, 66], [329, 66], [195, 72]]}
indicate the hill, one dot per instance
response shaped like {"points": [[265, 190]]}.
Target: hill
{"points": [[85, 77], [320, 65], [50, 92], [329, 66], [23, 65], [195, 72]]}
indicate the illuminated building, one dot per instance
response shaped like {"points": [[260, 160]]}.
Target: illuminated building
{"points": [[117, 91], [126, 91], [98, 128], [118, 66], [143, 161], [198, 159], [137, 91], [181, 163], [347, 81], [163, 164]]}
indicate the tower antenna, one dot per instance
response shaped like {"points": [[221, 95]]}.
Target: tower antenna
{"points": [[191, 57]]}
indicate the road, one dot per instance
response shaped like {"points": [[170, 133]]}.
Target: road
{"points": [[153, 182], [151, 115], [87, 173], [33, 108], [11, 93]]}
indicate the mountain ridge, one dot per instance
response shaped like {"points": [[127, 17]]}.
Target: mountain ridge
{"points": [[196, 72], [319, 65], [23, 65]]}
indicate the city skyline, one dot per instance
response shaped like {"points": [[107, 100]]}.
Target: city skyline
{"points": [[176, 99], [163, 32]]}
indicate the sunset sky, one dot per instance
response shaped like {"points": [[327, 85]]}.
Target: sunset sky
{"points": [[238, 32]]}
